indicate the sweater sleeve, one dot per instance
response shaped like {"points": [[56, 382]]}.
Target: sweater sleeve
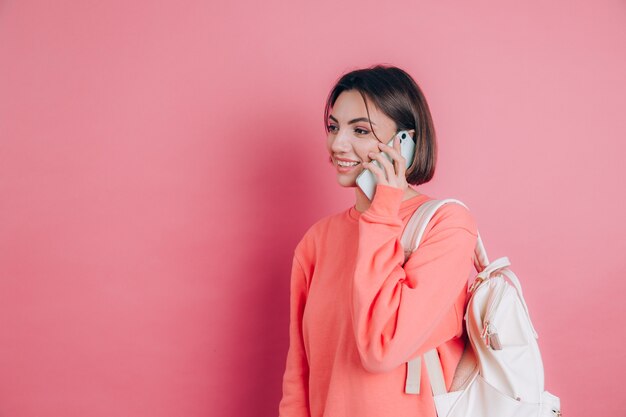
{"points": [[294, 401], [397, 309]]}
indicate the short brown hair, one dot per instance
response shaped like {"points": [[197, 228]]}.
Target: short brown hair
{"points": [[399, 97]]}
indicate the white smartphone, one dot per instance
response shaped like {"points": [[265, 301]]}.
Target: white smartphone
{"points": [[366, 180]]}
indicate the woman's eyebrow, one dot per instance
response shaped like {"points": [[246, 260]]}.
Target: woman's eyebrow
{"points": [[359, 119]]}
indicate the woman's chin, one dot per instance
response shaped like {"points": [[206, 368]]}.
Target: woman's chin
{"points": [[346, 182], [348, 179]]}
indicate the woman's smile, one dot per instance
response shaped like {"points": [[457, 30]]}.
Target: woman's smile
{"points": [[345, 165]]}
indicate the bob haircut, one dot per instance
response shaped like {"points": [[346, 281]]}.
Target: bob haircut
{"points": [[398, 96]]}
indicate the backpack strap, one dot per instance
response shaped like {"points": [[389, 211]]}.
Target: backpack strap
{"points": [[435, 372], [415, 227], [411, 238]]}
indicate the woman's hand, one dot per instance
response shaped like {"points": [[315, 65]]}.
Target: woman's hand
{"points": [[392, 174]]}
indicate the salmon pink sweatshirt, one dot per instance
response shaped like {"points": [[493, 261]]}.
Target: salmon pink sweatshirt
{"points": [[357, 315]]}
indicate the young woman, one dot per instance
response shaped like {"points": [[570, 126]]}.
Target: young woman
{"points": [[358, 312]]}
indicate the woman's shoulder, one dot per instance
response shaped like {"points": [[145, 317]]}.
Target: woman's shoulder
{"points": [[319, 231], [322, 225]]}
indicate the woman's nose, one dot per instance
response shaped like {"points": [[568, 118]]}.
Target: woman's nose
{"points": [[341, 143]]}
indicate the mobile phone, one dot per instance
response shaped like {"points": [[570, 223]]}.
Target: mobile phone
{"points": [[366, 180]]}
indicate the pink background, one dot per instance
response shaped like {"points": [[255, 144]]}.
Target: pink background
{"points": [[160, 160]]}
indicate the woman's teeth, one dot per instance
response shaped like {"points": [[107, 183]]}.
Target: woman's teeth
{"points": [[346, 164]]}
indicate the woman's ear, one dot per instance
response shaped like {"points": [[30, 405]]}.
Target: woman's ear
{"points": [[412, 133]]}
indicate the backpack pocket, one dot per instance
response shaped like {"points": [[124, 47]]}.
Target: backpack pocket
{"points": [[504, 342]]}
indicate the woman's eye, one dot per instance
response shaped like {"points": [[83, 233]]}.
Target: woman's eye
{"points": [[358, 131]]}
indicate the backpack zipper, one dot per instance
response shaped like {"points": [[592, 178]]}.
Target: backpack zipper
{"points": [[489, 332]]}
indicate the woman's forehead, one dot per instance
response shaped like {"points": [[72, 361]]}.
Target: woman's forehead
{"points": [[350, 104]]}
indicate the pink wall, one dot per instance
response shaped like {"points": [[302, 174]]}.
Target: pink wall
{"points": [[160, 160]]}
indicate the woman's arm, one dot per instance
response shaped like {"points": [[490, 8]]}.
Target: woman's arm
{"points": [[294, 402], [395, 309]]}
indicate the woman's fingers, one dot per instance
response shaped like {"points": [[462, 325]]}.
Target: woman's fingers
{"points": [[390, 172], [399, 161], [376, 170]]}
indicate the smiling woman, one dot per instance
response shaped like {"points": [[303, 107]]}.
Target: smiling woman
{"points": [[358, 311]]}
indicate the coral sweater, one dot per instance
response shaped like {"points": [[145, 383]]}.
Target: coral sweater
{"points": [[357, 315]]}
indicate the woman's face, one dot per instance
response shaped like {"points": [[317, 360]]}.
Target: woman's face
{"points": [[350, 138]]}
